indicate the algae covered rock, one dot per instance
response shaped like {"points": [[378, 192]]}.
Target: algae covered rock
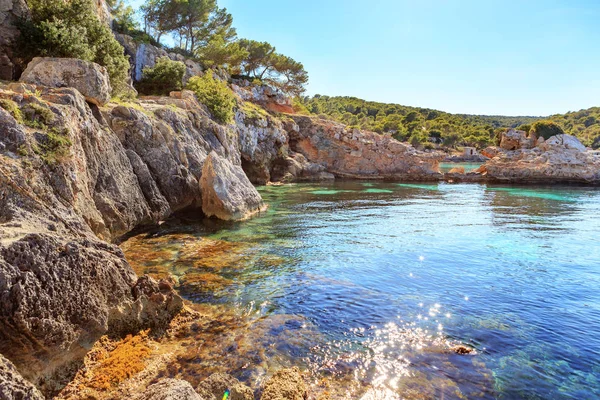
{"points": [[89, 78], [169, 389], [213, 388], [226, 191], [286, 384], [13, 386]]}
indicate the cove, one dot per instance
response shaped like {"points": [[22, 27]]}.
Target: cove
{"points": [[369, 288]]}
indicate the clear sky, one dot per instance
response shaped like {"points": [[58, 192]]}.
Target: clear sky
{"points": [[508, 57]]}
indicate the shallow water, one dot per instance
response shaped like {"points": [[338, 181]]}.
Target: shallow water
{"points": [[367, 286], [468, 166]]}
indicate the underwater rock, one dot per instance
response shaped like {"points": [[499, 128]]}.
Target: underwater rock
{"points": [[226, 191], [213, 388], [170, 389], [286, 384]]}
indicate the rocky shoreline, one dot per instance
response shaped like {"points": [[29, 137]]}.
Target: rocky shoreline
{"points": [[76, 173]]}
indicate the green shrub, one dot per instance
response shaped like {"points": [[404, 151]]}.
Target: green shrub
{"points": [[164, 77], [72, 29], [546, 129], [13, 109], [215, 95], [55, 147]]}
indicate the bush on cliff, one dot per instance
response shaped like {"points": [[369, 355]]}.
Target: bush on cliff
{"points": [[215, 95], [72, 29], [545, 129], [166, 76]]}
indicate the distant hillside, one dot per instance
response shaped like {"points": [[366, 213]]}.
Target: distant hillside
{"points": [[426, 127]]}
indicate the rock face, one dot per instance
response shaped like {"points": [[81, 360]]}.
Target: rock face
{"points": [[10, 12], [170, 389], [13, 386], [264, 95], [561, 158], [143, 55], [226, 191], [514, 139], [213, 388], [352, 153], [90, 79], [286, 384]]}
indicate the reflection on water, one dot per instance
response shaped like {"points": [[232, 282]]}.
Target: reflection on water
{"points": [[370, 286]]}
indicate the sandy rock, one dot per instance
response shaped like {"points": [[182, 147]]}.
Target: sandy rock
{"points": [[226, 191], [567, 141], [213, 388], [457, 170], [491, 152], [356, 154], [286, 384], [169, 389], [89, 78], [13, 386]]}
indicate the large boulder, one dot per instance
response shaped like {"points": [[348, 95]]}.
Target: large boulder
{"points": [[286, 384], [214, 387], [13, 386], [169, 389], [89, 78], [226, 191]]}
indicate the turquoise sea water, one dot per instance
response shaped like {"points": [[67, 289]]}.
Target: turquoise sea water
{"points": [[376, 282], [468, 166]]}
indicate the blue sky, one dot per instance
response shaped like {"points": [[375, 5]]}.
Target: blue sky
{"points": [[509, 57]]}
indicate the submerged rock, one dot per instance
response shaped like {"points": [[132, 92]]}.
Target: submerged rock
{"points": [[170, 389], [89, 78], [213, 388], [13, 386], [286, 384], [226, 191]]}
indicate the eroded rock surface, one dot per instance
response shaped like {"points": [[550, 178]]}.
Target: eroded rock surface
{"points": [[10, 12], [226, 191], [90, 79], [13, 386], [213, 388], [286, 384], [352, 153], [170, 389]]}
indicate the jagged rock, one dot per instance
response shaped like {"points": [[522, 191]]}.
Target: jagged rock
{"points": [[169, 389], [263, 143], [567, 141], [490, 152], [286, 384], [514, 139], [58, 297], [226, 191], [352, 153], [213, 388], [13, 386], [89, 78], [262, 94]]}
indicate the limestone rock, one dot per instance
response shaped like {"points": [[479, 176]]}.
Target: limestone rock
{"points": [[226, 191], [351, 153], [90, 79], [286, 384], [514, 139], [13, 386], [567, 141], [169, 389], [213, 388]]}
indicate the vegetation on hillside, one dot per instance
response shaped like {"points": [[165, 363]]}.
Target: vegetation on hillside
{"points": [[215, 95], [166, 76], [427, 127]]}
